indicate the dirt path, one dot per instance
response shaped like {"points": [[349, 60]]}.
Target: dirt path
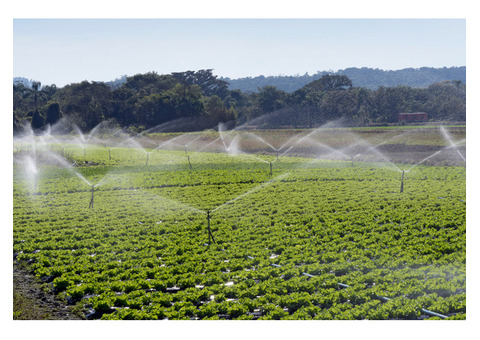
{"points": [[31, 302]]}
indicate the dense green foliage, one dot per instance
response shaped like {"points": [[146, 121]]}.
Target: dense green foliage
{"points": [[141, 253], [194, 101]]}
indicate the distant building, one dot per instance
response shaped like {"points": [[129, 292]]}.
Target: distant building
{"points": [[413, 117]]}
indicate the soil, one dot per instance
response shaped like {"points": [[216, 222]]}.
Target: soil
{"points": [[396, 153], [31, 302]]}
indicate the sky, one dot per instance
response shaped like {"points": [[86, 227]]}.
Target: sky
{"points": [[64, 51]]}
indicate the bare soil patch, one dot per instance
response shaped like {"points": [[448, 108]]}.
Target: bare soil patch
{"points": [[32, 302]]}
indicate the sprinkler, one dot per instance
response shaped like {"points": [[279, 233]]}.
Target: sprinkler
{"points": [[271, 169], [35, 178], [190, 164], [109, 154], [91, 200], [146, 163], [210, 235], [84, 156], [401, 186], [186, 153]]}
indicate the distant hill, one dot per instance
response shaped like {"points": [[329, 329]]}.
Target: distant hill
{"points": [[360, 77]]}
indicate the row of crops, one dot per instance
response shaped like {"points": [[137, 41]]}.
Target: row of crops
{"points": [[313, 239]]}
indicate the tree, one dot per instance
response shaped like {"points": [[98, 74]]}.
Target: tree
{"points": [[53, 113], [149, 83], [216, 109], [270, 99], [37, 120], [87, 103], [205, 79], [36, 86], [330, 82]]}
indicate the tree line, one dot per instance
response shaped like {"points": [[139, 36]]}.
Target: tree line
{"points": [[197, 100]]}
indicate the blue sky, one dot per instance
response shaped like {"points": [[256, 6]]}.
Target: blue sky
{"points": [[63, 51]]}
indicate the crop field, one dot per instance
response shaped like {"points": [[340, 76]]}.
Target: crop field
{"points": [[226, 228]]}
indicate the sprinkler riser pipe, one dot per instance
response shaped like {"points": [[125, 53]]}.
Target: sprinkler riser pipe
{"points": [[401, 186], [190, 164], [91, 200], [210, 235]]}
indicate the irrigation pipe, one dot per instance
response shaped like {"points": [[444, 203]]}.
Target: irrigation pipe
{"points": [[381, 298]]}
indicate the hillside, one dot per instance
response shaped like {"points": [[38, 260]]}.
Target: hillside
{"points": [[361, 77]]}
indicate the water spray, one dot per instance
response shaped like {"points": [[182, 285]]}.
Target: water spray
{"points": [[91, 200], [401, 186], [210, 235]]}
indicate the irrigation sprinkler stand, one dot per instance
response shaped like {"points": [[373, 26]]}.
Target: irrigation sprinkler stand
{"points": [[210, 235], [146, 163], [271, 169], [186, 153], [35, 184], [401, 186], [276, 152], [109, 154], [84, 156], [190, 164], [91, 200], [351, 158]]}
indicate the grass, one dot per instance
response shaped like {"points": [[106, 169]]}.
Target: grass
{"points": [[26, 309]]}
